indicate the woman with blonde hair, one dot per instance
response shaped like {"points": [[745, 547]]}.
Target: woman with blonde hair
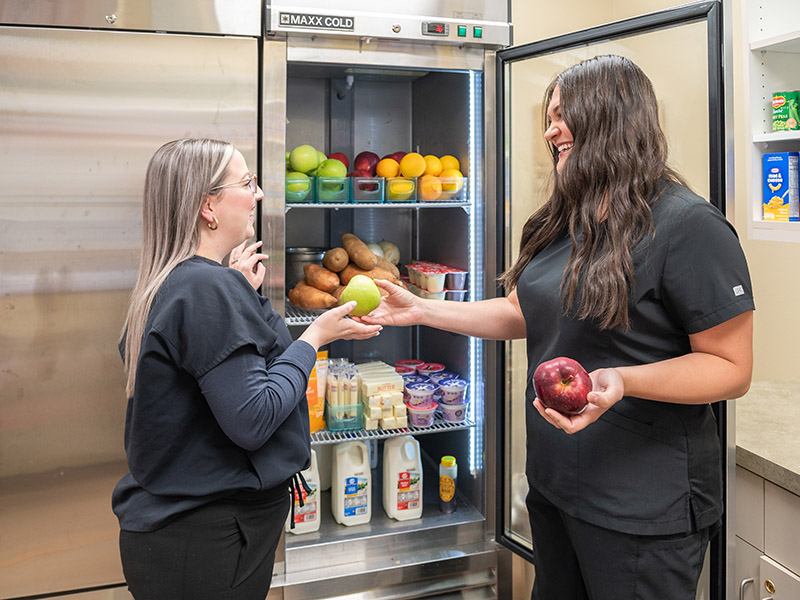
{"points": [[217, 422]]}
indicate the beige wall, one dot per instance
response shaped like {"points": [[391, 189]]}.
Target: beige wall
{"points": [[774, 265]]}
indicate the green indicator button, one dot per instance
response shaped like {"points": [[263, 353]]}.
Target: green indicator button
{"points": [[477, 32], [462, 31]]}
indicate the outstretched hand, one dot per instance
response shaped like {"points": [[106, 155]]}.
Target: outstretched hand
{"points": [[334, 324], [398, 308], [608, 388], [246, 259]]}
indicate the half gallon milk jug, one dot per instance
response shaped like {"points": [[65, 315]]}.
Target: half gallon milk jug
{"points": [[402, 478], [351, 484], [307, 517]]}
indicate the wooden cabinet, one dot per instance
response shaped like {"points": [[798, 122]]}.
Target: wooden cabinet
{"points": [[771, 38], [782, 526], [777, 582]]}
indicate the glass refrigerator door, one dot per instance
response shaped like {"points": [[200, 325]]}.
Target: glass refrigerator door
{"points": [[680, 50]]}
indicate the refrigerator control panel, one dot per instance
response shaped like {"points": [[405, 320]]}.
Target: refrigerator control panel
{"points": [[458, 28]]}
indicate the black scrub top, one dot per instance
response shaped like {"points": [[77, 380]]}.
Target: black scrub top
{"points": [[645, 467]]}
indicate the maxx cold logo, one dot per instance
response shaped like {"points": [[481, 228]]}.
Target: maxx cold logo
{"points": [[338, 23]]}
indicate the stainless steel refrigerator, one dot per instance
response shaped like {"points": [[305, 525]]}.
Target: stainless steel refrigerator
{"points": [[90, 92]]}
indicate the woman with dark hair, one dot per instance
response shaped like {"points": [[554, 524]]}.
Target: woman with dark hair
{"points": [[627, 271], [217, 422]]}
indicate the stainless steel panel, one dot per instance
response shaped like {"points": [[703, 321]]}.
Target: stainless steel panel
{"points": [[81, 113], [384, 19], [233, 17], [355, 54], [273, 168], [423, 574]]}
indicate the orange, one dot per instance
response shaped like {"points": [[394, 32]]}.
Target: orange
{"points": [[387, 167], [449, 162], [452, 180], [413, 165], [433, 166], [430, 188]]}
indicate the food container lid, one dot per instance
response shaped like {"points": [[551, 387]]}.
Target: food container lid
{"points": [[414, 378], [456, 383], [431, 367], [440, 375], [410, 362], [422, 386]]}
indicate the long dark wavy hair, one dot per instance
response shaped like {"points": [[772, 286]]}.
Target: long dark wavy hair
{"points": [[605, 189]]}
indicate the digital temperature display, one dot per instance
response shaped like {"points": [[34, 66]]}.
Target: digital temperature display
{"points": [[435, 29]]}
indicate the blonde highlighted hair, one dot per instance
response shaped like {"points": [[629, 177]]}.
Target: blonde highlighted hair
{"points": [[179, 178]]}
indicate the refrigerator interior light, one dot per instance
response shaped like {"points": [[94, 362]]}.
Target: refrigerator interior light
{"points": [[475, 134]]}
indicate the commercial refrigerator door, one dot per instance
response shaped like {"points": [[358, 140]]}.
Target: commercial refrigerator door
{"points": [[681, 51], [81, 113]]}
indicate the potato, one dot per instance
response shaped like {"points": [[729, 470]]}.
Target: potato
{"points": [[390, 251], [335, 259], [338, 292], [305, 296], [358, 252], [385, 264], [320, 277], [352, 270]]}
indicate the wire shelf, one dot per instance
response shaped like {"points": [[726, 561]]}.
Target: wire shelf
{"points": [[388, 205], [300, 316], [439, 425]]}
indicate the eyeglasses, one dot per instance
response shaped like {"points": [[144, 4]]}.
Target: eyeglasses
{"points": [[250, 181]]}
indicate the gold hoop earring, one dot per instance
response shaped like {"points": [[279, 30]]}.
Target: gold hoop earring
{"points": [[215, 224]]}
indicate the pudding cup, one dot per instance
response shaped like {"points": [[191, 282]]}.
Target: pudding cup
{"points": [[421, 415]]}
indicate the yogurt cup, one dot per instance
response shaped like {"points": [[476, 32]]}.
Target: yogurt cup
{"points": [[454, 413], [421, 415], [431, 279], [455, 295], [420, 393], [456, 279], [428, 369], [409, 362], [404, 370], [437, 376], [453, 390]]}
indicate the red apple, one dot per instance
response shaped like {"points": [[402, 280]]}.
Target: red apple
{"points": [[562, 384], [359, 173], [366, 161], [340, 157], [398, 156]]}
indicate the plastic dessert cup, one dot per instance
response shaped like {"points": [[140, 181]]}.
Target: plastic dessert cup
{"points": [[403, 370], [439, 375], [455, 295], [421, 415], [453, 390], [420, 393], [429, 368], [409, 362], [454, 413], [456, 279]]}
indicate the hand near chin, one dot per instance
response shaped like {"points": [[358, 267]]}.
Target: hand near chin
{"points": [[607, 389], [247, 260]]}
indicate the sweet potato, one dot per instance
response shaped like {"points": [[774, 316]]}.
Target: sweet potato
{"points": [[358, 252], [338, 292], [320, 277], [388, 266], [303, 295], [335, 259], [352, 270]]}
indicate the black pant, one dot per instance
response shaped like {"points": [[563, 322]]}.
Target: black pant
{"points": [[575, 560], [221, 551]]}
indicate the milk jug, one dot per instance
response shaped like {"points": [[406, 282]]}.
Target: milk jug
{"points": [[402, 478], [351, 484], [307, 517]]}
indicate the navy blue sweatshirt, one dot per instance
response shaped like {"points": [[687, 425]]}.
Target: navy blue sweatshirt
{"points": [[219, 404]]}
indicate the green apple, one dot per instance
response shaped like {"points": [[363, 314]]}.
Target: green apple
{"points": [[365, 292], [297, 182], [303, 158], [320, 157], [331, 167]]}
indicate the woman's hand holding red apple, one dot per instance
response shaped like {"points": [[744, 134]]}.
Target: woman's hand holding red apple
{"points": [[608, 388]]}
